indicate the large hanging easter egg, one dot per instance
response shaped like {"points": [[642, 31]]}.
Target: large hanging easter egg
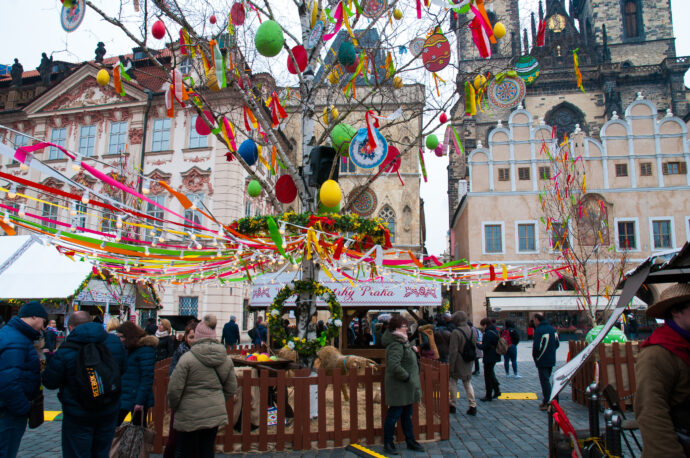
{"points": [[527, 68], [254, 188], [300, 56], [346, 54], [249, 152], [269, 39], [507, 94], [499, 30], [432, 141], [200, 126], [237, 13], [341, 135], [158, 30], [330, 193], [286, 191], [436, 53], [102, 77]]}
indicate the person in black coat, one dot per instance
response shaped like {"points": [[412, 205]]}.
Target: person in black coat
{"points": [[84, 432], [166, 341], [491, 357], [544, 354], [151, 327], [231, 333]]}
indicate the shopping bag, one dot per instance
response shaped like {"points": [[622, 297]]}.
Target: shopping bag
{"points": [[36, 415], [132, 441]]}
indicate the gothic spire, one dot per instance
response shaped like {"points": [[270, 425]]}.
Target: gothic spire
{"points": [[526, 41], [534, 28], [541, 11]]}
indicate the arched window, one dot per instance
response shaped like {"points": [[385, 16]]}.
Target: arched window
{"points": [[630, 12], [388, 215], [565, 116]]}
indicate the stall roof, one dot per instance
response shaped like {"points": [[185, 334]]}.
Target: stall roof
{"points": [[30, 270], [548, 302], [394, 291]]}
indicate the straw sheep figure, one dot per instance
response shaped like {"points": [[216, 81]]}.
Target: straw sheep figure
{"points": [[330, 358]]}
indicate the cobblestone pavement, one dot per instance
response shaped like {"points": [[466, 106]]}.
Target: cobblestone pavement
{"points": [[501, 427]]}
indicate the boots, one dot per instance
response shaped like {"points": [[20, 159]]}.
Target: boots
{"points": [[472, 411], [452, 409], [389, 448], [416, 446]]}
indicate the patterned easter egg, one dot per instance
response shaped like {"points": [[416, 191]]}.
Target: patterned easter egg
{"points": [[417, 46], [372, 8], [527, 68], [436, 53]]}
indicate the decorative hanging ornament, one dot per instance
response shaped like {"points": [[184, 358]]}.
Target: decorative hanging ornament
{"points": [[397, 14], [333, 114], [372, 8], [432, 141], [397, 82], [158, 30], [443, 118], [346, 54], [102, 77], [330, 193], [360, 153], [417, 46], [72, 15], [506, 93], [479, 81], [249, 152], [341, 136], [269, 39], [286, 191], [314, 35], [499, 30], [527, 68], [436, 53], [212, 19], [300, 56], [200, 125], [237, 14], [254, 189]]}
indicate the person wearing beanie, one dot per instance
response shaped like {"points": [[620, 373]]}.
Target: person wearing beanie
{"points": [[203, 380], [20, 373], [231, 333]]}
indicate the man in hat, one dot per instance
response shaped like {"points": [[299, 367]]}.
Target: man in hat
{"points": [[20, 373], [231, 333], [662, 375]]}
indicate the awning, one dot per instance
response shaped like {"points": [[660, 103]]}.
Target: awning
{"points": [[100, 292], [394, 291], [30, 270], [557, 301]]}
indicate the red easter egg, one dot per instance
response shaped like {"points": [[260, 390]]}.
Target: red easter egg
{"points": [[237, 14], [158, 30], [212, 19], [200, 126], [436, 53], [352, 68], [438, 151], [286, 191], [392, 163], [443, 118], [300, 56]]}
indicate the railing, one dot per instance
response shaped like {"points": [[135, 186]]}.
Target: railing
{"points": [[616, 363], [339, 421]]}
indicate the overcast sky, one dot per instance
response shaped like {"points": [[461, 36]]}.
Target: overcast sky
{"points": [[32, 27]]}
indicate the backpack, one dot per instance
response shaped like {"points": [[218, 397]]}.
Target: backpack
{"points": [[252, 333], [469, 351], [501, 346], [96, 382], [514, 336], [506, 336]]}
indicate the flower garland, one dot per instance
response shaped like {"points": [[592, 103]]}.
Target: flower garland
{"points": [[369, 231], [274, 317]]}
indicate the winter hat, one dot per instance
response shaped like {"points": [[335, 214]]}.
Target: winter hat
{"points": [[206, 329], [33, 308]]}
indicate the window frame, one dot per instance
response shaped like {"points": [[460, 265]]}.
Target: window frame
{"points": [[632, 20], [155, 212], [346, 166], [682, 168], [82, 217], [621, 170], [643, 165], [672, 234], [552, 247], [195, 137], [193, 215], [17, 144], [503, 173], [118, 147], [192, 298], [528, 177], [533, 223], [387, 220], [542, 169], [53, 152], [52, 213], [163, 134], [87, 150], [636, 233], [500, 224]]}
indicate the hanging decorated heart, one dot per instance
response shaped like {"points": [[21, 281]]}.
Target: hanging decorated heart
{"points": [[506, 93], [360, 153], [417, 46], [436, 53], [372, 8], [72, 16]]}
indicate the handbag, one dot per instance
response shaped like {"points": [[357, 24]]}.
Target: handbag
{"points": [[36, 416], [132, 441]]}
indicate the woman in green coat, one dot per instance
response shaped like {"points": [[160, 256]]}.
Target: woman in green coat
{"points": [[402, 384]]}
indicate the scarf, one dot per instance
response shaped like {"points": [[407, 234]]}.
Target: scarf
{"points": [[160, 334], [401, 334], [50, 328], [672, 338]]}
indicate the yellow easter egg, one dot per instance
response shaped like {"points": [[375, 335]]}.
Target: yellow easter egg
{"points": [[397, 82], [102, 77], [397, 14], [330, 193], [499, 30], [479, 81]]}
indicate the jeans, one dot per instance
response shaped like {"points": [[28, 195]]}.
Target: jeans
{"points": [[467, 383], [490, 380], [511, 356], [11, 431], [200, 443], [87, 438], [404, 413], [545, 381]]}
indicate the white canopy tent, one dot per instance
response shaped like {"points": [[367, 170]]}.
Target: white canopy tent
{"points": [[548, 302]]}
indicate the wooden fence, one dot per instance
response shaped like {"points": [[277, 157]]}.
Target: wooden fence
{"points": [[616, 363], [339, 422]]}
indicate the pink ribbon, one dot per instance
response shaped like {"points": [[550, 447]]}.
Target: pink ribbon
{"points": [[338, 16]]}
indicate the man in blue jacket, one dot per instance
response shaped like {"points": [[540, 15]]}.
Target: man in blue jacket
{"points": [[84, 432], [20, 374], [231, 333], [544, 354]]}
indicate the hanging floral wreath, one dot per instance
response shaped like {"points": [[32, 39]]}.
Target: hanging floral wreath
{"points": [[274, 317]]}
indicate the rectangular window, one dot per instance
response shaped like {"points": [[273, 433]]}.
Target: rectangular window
{"points": [[247, 208], [523, 173], [154, 212], [59, 137], [626, 235], [161, 135], [108, 221], [630, 11], [245, 313], [196, 140], [544, 172], [560, 239], [189, 305], [662, 234], [118, 137], [194, 215], [621, 170], [503, 174], [87, 140], [526, 240], [674, 168], [492, 238], [81, 217], [49, 211], [646, 169], [347, 166]]}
